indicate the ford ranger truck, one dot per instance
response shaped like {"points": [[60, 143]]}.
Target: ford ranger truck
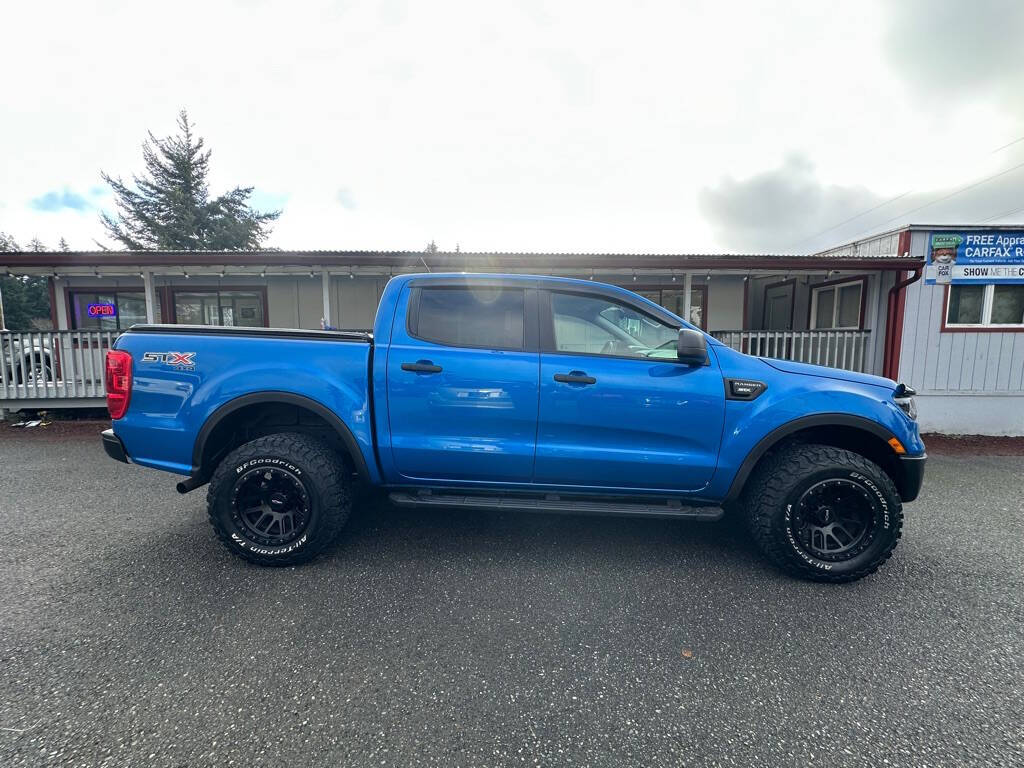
{"points": [[503, 392]]}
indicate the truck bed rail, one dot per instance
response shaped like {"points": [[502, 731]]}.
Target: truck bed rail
{"points": [[364, 337]]}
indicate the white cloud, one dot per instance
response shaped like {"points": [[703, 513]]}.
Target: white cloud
{"points": [[572, 126]]}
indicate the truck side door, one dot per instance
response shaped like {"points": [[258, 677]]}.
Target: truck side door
{"points": [[617, 410], [462, 380]]}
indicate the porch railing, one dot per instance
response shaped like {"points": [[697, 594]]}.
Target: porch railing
{"points": [[834, 348], [53, 365]]}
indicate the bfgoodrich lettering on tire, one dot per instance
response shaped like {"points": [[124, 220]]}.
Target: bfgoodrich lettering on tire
{"points": [[279, 500], [824, 513]]}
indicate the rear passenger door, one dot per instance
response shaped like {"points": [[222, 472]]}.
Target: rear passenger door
{"points": [[463, 371]]}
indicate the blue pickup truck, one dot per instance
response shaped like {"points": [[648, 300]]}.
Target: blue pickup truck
{"points": [[517, 392]]}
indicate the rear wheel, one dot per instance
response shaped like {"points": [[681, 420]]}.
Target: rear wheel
{"points": [[824, 513], [280, 499]]}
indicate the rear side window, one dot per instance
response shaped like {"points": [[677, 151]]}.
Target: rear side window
{"points": [[490, 318]]}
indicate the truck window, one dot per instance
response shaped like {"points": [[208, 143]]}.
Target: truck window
{"points": [[594, 325], [489, 318]]}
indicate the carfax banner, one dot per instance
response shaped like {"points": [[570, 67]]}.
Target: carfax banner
{"points": [[975, 257]]}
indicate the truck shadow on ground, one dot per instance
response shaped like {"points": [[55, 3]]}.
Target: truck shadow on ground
{"points": [[375, 522]]}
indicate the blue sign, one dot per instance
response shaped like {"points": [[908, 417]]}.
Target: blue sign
{"points": [[101, 310], [975, 257]]}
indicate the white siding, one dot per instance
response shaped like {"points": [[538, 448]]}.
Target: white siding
{"points": [[969, 383]]}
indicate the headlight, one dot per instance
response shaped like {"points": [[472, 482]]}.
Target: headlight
{"points": [[904, 398], [909, 406]]}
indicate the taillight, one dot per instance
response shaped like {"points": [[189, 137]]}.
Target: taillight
{"points": [[119, 382]]}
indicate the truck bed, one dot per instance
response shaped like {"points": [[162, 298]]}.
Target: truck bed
{"points": [[184, 374]]}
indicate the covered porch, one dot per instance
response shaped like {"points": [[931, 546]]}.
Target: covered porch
{"points": [[830, 311]]}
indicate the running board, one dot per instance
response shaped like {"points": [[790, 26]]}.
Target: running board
{"points": [[554, 503]]}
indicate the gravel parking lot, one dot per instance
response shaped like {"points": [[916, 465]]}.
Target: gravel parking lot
{"points": [[128, 636]]}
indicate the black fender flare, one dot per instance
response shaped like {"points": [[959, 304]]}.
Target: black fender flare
{"points": [[780, 433], [273, 396]]}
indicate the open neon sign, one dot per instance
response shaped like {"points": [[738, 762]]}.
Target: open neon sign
{"points": [[102, 310]]}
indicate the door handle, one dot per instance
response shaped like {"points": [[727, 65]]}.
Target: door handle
{"points": [[575, 377], [421, 366]]}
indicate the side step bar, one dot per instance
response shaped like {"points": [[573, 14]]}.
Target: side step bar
{"points": [[554, 503]]}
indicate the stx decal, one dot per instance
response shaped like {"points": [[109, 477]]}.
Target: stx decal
{"points": [[180, 361]]}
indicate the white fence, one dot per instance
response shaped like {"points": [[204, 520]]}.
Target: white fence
{"points": [[53, 365], [837, 349]]}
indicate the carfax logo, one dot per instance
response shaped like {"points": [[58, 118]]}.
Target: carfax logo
{"points": [[179, 361]]}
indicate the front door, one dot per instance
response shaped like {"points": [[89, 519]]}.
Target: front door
{"points": [[616, 408], [462, 383], [778, 307]]}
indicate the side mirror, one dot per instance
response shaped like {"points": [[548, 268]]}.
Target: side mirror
{"points": [[692, 347]]}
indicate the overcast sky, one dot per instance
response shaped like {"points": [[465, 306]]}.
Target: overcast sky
{"points": [[641, 126]]}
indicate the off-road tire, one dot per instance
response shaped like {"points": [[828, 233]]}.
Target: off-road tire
{"points": [[310, 462], [781, 480]]}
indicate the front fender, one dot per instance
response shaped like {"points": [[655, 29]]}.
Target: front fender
{"points": [[795, 402]]}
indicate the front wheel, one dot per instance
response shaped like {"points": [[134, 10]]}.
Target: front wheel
{"points": [[824, 513], [279, 499]]}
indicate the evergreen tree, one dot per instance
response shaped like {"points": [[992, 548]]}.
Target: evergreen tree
{"points": [[26, 300], [62, 245], [169, 206]]}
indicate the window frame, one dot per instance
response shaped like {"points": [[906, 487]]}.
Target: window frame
{"points": [[69, 305], [529, 313], [172, 307], [549, 344], [835, 285], [986, 312]]}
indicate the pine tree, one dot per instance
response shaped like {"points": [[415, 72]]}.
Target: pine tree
{"points": [[62, 245], [26, 300], [169, 206]]}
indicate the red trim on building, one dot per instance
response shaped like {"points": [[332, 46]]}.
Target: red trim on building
{"points": [[896, 309]]}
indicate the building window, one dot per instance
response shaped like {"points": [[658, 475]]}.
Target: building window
{"points": [[674, 300], [487, 318], [113, 310], [837, 306], [219, 307], [997, 306]]}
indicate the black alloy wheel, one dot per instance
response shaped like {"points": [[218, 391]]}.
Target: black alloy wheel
{"points": [[271, 505], [834, 519]]}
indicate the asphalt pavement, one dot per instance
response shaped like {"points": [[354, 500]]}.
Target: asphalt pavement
{"points": [[128, 636]]}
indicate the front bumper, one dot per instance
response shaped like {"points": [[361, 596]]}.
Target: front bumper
{"points": [[913, 475], [113, 446]]}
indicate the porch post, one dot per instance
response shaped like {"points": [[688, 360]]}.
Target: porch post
{"points": [[325, 278], [147, 287], [687, 286]]}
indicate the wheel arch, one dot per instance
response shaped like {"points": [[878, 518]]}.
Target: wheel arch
{"points": [[203, 456], [841, 430]]}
